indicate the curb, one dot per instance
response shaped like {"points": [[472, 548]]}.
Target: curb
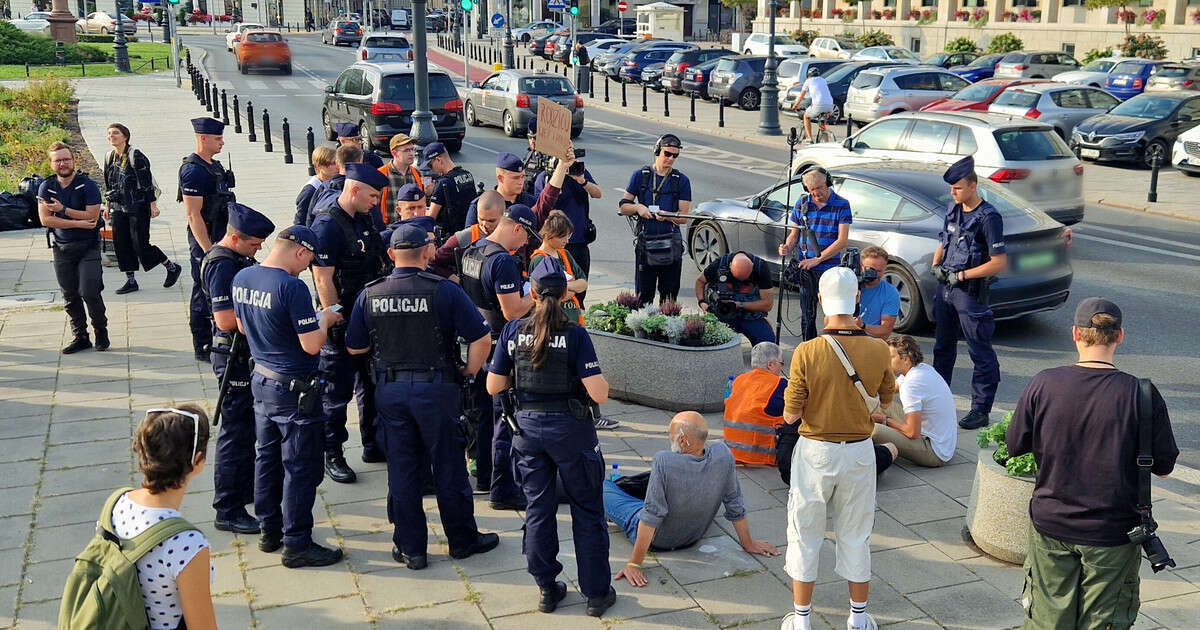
{"points": [[1195, 218]]}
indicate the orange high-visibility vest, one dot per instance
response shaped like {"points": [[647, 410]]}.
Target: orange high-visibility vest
{"points": [[566, 263], [749, 431]]}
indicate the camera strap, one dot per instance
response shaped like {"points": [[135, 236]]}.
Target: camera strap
{"points": [[1145, 458]]}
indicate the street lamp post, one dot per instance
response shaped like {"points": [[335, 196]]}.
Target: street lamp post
{"points": [[422, 126], [509, 59], [768, 122], [120, 51]]}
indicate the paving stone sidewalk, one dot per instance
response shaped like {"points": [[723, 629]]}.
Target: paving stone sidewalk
{"points": [[66, 423]]}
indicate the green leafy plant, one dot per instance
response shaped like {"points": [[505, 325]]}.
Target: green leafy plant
{"points": [[1005, 42], [1144, 45], [805, 37], [31, 118], [716, 333], [928, 16], [876, 37], [608, 317], [1095, 54], [961, 44], [655, 325], [19, 47], [1019, 466]]}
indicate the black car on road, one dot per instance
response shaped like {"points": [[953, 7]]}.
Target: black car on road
{"points": [[618, 26], [678, 63], [380, 99], [1141, 129]]}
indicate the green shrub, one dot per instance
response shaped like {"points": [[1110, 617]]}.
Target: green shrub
{"points": [[30, 120], [876, 38], [102, 39], [962, 44], [1095, 54], [1020, 466], [17, 47], [1005, 42], [1144, 45], [805, 37]]}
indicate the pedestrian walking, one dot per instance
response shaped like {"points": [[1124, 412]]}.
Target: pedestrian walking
{"points": [[131, 201], [658, 243]]}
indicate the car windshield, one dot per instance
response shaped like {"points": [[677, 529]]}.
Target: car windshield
{"points": [[1013, 58], [986, 61], [401, 88], [867, 80], [784, 40], [842, 71], [936, 60], [260, 38], [1173, 71], [977, 93], [789, 68], [1023, 144], [349, 25], [1099, 65], [386, 42], [901, 53], [1146, 107], [545, 86], [1017, 98], [37, 16], [850, 44]]}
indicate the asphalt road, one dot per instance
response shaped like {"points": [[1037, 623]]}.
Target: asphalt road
{"points": [[1149, 265]]}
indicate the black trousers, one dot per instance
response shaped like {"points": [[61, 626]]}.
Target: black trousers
{"points": [[81, 278], [583, 256], [131, 239], [666, 278]]}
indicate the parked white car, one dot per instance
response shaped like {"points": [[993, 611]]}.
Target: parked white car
{"points": [[834, 47], [537, 29], [1185, 155], [104, 23], [234, 36], [758, 43], [37, 23], [1094, 73]]}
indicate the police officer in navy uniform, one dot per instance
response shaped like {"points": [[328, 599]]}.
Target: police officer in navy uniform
{"points": [[351, 256], [410, 322], [510, 183], [550, 363], [452, 193], [232, 479], [349, 133], [204, 189], [492, 278], [743, 282], [658, 248], [970, 252], [274, 310]]}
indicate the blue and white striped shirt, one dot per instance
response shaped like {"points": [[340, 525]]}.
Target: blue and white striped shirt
{"points": [[824, 222]]}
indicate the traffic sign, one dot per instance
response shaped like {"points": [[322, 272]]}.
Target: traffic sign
{"points": [[556, 5], [622, 6], [497, 20]]}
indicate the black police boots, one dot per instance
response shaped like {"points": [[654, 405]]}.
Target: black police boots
{"points": [[313, 555], [975, 419], [338, 469], [81, 342], [551, 595], [102, 342], [239, 524], [270, 542], [483, 544], [416, 563], [597, 605]]}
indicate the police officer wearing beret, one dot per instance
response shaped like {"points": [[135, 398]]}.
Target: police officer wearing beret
{"points": [[492, 278], [510, 183], [349, 133], [351, 256], [550, 363], [410, 322], [658, 243], [452, 193], [204, 189], [232, 483], [970, 251], [274, 310]]}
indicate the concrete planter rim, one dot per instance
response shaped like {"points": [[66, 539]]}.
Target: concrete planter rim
{"points": [[992, 463], [736, 340]]}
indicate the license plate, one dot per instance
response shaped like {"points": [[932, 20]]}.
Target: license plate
{"points": [[1121, 82], [1035, 261], [1090, 153]]}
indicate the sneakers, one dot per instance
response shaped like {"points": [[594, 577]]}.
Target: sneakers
{"points": [[975, 419], [787, 623], [79, 343], [270, 542], [239, 524], [130, 286], [313, 555], [597, 605], [416, 563], [338, 469], [870, 625], [507, 504], [173, 271], [483, 544], [603, 422], [551, 595], [102, 342]]}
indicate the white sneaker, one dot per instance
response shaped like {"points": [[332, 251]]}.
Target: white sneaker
{"points": [[786, 624], [870, 625], [603, 422]]}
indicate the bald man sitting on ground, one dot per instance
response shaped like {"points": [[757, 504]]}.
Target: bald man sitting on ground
{"points": [[687, 484]]}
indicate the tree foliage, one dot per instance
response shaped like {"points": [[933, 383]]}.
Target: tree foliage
{"points": [[876, 37], [1005, 42], [962, 44], [1144, 45], [1095, 54]]}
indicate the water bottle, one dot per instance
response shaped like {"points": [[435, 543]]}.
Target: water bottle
{"points": [[729, 388], [616, 473]]}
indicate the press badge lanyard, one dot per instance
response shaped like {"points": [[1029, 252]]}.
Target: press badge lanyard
{"points": [[657, 187]]}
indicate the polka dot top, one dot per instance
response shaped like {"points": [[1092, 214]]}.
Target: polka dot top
{"points": [[159, 568]]}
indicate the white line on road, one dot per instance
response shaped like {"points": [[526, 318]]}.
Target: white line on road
{"points": [[1154, 239], [481, 148], [1144, 248], [256, 84], [288, 84]]}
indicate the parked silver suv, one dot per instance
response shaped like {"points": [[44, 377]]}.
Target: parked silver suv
{"points": [[1025, 156], [1061, 105], [882, 91], [1041, 64]]}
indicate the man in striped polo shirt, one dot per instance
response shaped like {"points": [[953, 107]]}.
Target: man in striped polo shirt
{"points": [[829, 217]]}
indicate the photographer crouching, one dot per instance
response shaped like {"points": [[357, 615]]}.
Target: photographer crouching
{"points": [[737, 288]]}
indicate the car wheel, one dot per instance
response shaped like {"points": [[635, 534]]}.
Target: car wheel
{"points": [[286, 68], [748, 99], [1156, 150], [103, 30], [912, 311], [575, 132], [469, 112], [707, 244], [453, 146], [836, 114], [330, 134], [510, 125]]}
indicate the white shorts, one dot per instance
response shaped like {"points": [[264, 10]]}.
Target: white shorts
{"points": [[841, 477], [813, 110]]}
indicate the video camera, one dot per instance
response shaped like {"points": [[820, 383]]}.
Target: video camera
{"points": [[720, 303], [852, 260]]}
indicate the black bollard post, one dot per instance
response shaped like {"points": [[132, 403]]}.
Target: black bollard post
{"points": [[591, 86], [666, 103], [204, 93], [692, 98], [606, 88], [237, 116], [624, 103], [215, 100], [1155, 164], [287, 142], [267, 146], [644, 97], [720, 111], [224, 107], [310, 142], [849, 126], [250, 121]]}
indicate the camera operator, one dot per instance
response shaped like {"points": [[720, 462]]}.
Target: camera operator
{"points": [[737, 288], [1081, 423], [880, 302]]}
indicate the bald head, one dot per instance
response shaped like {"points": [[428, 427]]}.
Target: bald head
{"points": [[689, 430], [741, 266]]}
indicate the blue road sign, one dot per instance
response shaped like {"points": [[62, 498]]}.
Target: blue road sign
{"points": [[497, 20], [556, 5]]}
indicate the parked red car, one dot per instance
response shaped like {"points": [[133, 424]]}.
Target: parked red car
{"points": [[977, 96]]}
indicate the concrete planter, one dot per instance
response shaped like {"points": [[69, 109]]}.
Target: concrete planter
{"points": [[666, 376], [998, 512]]}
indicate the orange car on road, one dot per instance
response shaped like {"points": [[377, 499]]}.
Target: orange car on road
{"points": [[259, 49]]}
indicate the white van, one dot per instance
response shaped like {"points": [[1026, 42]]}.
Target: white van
{"points": [[400, 18]]}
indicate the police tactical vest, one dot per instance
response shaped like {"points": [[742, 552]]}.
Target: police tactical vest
{"points": [[215, 210], [361, 260], [554, 378], [460, 191], [220, 252], [738, 290], [403, 323], [473, 263], [966, 247]]}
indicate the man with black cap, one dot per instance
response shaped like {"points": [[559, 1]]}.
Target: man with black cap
{"points": [[658, 249], [410, 322], [970, 251], [492, 278], [349, 133], [453, 191], [1082, 425], [204, 189], [350, 257], [232, 479], [274, 310]]}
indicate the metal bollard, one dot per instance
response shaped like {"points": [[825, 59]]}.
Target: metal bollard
{"points": [[666, 103], [644, 97], [624, 103], [1155, 164], [237, 116], [591, 87], [287, 142], [720, 111], [250, 121], [849, 126], [310, 142], [606, 88], [215, 100], [267, 146], [692, 98], [224, 108], [204, 83]]}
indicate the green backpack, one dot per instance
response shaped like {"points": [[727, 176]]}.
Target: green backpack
{"points": [[102, 591]]}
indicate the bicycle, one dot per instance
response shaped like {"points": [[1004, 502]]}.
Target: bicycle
{"points": [[823, 133]]}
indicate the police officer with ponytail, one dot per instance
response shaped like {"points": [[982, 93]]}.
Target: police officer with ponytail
{"points": [[551, 365]]}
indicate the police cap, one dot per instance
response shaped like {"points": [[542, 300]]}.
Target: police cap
{"points": [[366, 175], [346, 130], [431, 151], [410, 235], [249, 221], [208, 125], [510, 162], [533, 126], [302, 235], [410, 192], [959, 170], [549, 276], [521, 213]]}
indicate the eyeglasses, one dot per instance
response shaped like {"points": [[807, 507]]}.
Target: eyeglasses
{"points": [[670, 155], [195, 427]]}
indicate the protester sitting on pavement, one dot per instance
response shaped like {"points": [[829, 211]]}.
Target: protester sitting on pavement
{"points": [[834, 461], [925, 430], [687, 485], [879, 305], [755, 406], [326, 167], [744, 294], [1081, 424]]}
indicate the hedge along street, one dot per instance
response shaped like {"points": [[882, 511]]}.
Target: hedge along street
{"points": [[140, 54]]}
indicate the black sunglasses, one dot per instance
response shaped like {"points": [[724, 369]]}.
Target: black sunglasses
{"points": [[670, 154]]}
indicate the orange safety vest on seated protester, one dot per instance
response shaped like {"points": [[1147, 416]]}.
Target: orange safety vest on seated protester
{"points": [[749, 431]]}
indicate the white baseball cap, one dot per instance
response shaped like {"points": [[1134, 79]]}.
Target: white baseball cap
{"points": [[839, 291]]}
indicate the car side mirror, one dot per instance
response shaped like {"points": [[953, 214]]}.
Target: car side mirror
{"points": [[472, 84], [329, 89], [1185, 118], [754, 203], [848, 143]]}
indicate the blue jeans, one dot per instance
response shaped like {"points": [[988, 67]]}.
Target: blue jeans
{"points": [[622, 508]]}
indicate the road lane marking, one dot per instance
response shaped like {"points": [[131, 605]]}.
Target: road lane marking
{"points": [[288, 85], [256, 84], [481, 148], [1153, 239], [1143, 248]]}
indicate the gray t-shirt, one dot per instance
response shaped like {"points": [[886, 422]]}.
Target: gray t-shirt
{"points": [[685, 492]]}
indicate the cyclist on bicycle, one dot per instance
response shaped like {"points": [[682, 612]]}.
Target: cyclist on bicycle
{"points": [[816, 89]]}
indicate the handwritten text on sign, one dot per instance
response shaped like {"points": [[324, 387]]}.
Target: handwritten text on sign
{"points": [[553, 128]]}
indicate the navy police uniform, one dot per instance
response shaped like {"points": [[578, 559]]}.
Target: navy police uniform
{"points": [[753, 324], [454, 192], [969, 239], [210, 181], [77, 259], [234, 473], [411, 321], [274, 308], [351, 130], [353, 247], [557, 439], [511, 163], [658, 245]]}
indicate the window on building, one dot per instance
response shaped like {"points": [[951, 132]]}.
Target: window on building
{"points": [[916, 45], [929, 3], [974, 3], [1024, 3], [1069, 49], [1073, 3], [1145, 3]]}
